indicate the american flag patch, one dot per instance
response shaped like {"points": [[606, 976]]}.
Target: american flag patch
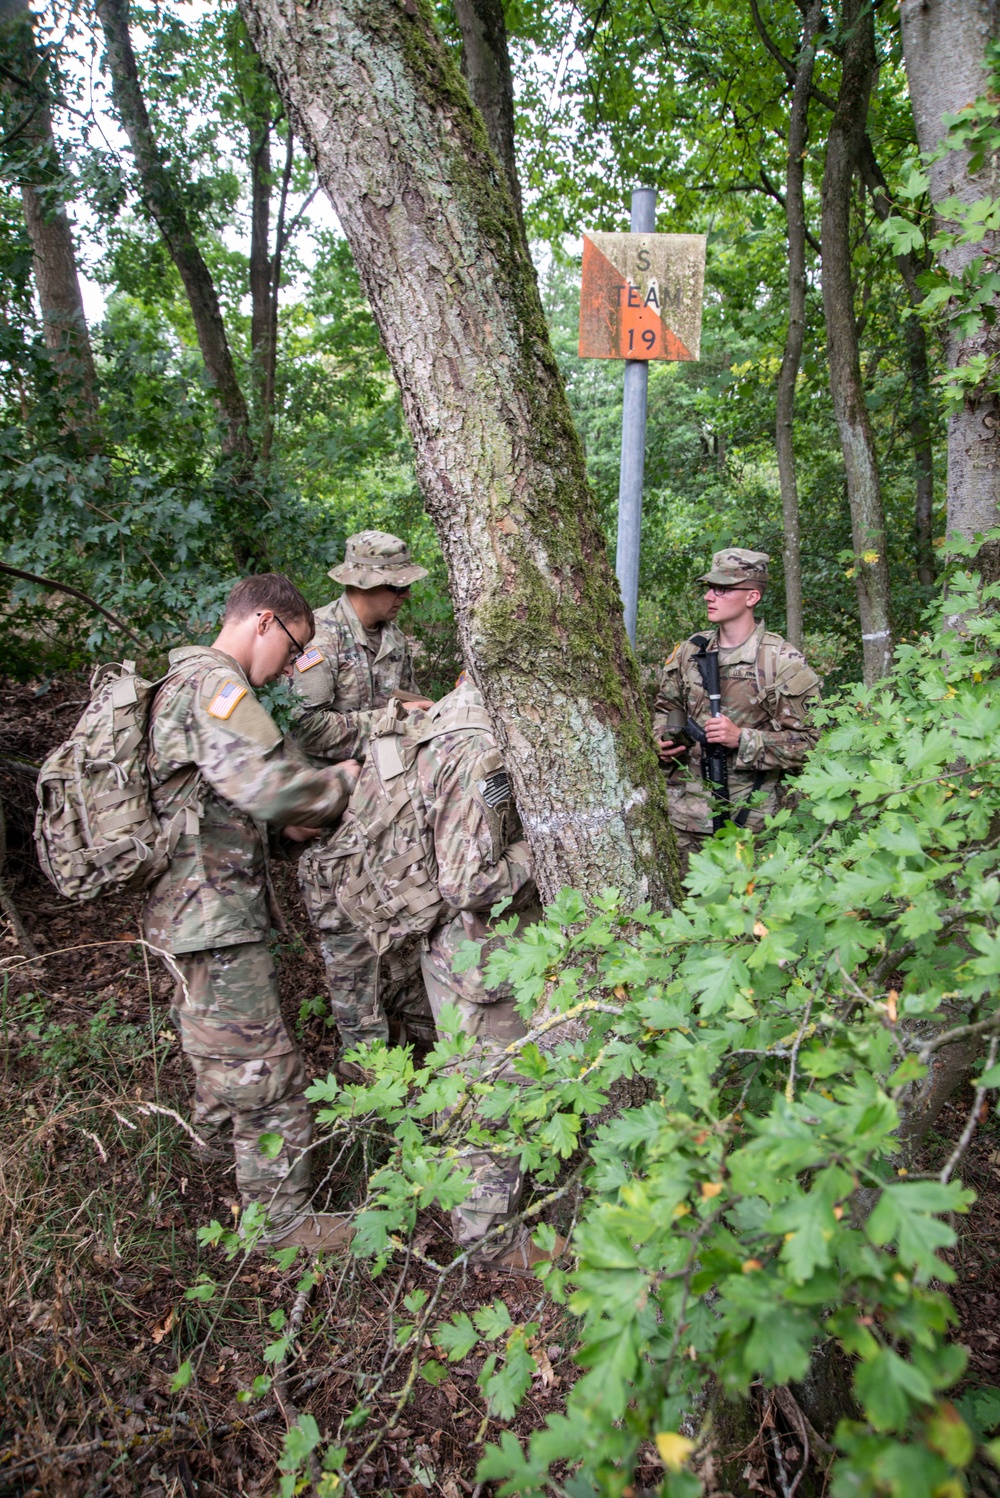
{"points": [[308, 659], [495, 789], [226, 698]]}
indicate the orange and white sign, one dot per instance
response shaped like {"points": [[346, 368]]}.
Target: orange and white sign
{"points": [[641, 296]]}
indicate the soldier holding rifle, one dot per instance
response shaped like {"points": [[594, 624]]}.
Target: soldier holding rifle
{"points": [[732, 708]]}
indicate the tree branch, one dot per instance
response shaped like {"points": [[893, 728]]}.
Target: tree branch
{"points": [[50, 582]]}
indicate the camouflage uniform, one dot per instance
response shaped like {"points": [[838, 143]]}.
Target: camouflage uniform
{"points": [[342, 680], [216, 756], [466, 804], [768, 689]]}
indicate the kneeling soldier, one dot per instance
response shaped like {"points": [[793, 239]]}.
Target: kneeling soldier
{"points": [[215, 756]]}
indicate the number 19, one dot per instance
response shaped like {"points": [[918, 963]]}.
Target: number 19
{"points": [[648, 338]]}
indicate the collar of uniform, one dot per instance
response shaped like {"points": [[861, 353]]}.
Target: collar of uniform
{"points": [[218, 658], [747, 652], [391, 634]]}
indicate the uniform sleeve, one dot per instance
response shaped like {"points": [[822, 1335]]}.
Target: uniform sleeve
{"points": [[670, 711], [237, 746], [793, 735], [473, 872], [317, 728]]}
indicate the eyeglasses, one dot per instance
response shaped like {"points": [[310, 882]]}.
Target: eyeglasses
{"points": [[297, 649], [394, 588], [721, 589]]}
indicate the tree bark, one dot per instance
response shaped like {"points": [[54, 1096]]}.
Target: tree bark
{"points": [[57, 281], [163, 202], [944, 46], [383, 110], [487, 70], [915, 341], [795, 214], [259, 132], [843, 157]]}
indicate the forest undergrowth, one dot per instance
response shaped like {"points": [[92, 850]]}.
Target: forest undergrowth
{"points": [[733, 1138]]}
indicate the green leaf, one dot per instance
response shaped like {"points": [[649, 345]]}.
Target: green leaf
{"points": [[182, 1377], [493, 1321], [433, 1372], [889, 1389], [456, 1337], [910, 1213], [301, 1439], [270, 1145]]}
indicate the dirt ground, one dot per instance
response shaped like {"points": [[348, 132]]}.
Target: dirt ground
{"points": [[100, 1200]]}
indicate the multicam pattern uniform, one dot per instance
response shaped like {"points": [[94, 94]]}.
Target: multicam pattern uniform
{"points": [[470, 816], [209, 911], [769, 690], [341, 692]]}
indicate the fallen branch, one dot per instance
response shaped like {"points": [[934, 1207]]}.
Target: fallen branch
{"points": [[58, 587]]}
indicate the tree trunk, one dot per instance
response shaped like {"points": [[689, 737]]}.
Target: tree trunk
{"points": [[384, 113], [164, 204], [486, 66], [53, 255], [843, 157], [260, 265], [944, 47], [795, 212], [915, 340]]}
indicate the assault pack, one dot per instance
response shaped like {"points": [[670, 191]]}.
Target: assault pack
{"points": [[382, 863], [96, 827]]}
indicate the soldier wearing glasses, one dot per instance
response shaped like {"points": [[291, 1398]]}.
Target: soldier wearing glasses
{"points": [[768, 690], [357, 661]]}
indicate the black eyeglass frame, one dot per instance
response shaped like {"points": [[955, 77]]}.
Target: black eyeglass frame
{"points": [[281, 625], [399, 590]]}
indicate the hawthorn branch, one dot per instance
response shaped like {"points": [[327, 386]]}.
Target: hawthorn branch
{"points": [[971, 1121]]}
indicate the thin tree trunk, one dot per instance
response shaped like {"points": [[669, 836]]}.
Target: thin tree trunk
{"points": [[795, 212], [915, 341], [163, 204], [944, 48], [53, 254], [843, 156], [434, 233], [487, 70], [281, 235], [260, 270]]}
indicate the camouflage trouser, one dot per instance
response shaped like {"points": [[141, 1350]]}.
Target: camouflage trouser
{"points": [[372, 1000], [248, 1070], [498, 1181]]}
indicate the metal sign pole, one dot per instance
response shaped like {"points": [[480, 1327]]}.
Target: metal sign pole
{"points": [[633, 443]]}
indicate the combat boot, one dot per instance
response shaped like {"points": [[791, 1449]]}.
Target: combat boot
{"points": [[522, 1255], [319, 1232]]}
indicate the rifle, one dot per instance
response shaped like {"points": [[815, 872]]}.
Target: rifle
{"points": [[714, 764]]}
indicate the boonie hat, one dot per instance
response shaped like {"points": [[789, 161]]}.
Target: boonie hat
{"points": [[374, 558], [736, 567]]}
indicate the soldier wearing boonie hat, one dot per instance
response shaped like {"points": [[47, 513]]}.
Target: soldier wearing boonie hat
{"points": [[768, 691], [357, 661]]}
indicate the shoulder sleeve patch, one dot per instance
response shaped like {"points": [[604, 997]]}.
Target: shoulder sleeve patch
{"points": [[308, 659], [495, 789], [225, 699], [672, 656]]}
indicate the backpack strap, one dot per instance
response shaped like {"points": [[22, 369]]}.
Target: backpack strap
{"points": [[766, 673]]}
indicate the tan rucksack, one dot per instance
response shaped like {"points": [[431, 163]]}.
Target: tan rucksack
{"points": [[96, 827], [381, 862]]}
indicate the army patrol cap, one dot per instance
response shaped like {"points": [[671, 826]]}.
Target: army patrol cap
{"points": [[736, 567], [374, 558]]}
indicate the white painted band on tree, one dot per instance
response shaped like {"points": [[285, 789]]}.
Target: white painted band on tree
{"points": [[879, 635], [586, 821]]}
